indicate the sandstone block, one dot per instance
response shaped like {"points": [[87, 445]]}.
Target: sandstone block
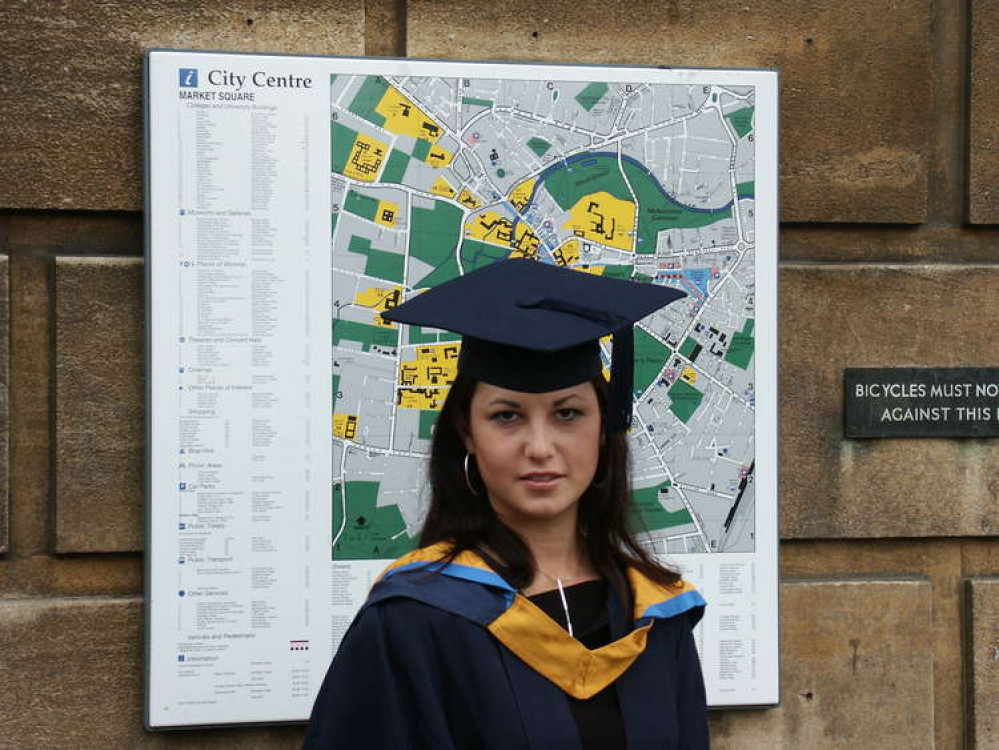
{"points": [[849, 152], [840, 316], [73, 678], [983, 143], [942, 562], [4, 404], [71, 83], [980, 557], [385, 28], [857, 671], [73, 671], [99, 404], [982, 613], [70, 575], [927, 243], [41, 233], [30, 375]]}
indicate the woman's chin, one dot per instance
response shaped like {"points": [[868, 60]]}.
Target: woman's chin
{"points": [[538, 511]]}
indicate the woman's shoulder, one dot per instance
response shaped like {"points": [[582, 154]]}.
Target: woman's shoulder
{"points": [[442, 558], [460, 584], [420, 557], [664, 601], [399, 612]]}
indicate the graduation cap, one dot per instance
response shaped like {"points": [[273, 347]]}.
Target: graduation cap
{"points": [[533, 327]]}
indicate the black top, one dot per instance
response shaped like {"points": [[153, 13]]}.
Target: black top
{"points": [[598, 718]]}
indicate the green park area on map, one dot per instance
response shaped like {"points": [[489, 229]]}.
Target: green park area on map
{"points": [[742, 121], [476, 254], [689, 348], [740, 351], [395, 167], [361, 205], [381, 264], [433, 238], [684, 400], [658, 212], [649, 513], [370, 532], [474, 102], [427, 421], [367, 98], [650, 357], [341, 141], [592, 94], [584, 177], [539, 146], [364, 334], [422, 149]]}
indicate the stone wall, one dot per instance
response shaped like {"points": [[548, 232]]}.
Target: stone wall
{"points": [[889, 249]]}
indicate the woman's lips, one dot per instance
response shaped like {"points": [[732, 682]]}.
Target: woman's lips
{"points": [[541, 480]]}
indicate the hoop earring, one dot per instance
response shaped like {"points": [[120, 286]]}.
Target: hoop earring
{"points": [[468, 478]]}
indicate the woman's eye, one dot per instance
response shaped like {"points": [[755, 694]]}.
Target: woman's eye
{"points": [[567, 415], [505, 417]]}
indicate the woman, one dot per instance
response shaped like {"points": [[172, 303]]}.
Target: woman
{"points": [[529, 618]]}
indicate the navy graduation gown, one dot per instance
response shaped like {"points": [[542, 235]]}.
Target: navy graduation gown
{"points": [[420, 669]]}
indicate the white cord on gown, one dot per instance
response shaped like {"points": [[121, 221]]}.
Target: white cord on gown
{"points": [[565, 605]]}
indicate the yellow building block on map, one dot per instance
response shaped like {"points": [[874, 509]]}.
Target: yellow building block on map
{"points": [[366, 158], [345, 425], [568, 254], [439, 157], [424, 399], [425, 380], [490, 226], [526, 243], [380, 300], [600, 217], [469, 199], [442, 187], [526, 253], [688, 376], [386, 214], [521, 193], [404, 117], [435, 365]]}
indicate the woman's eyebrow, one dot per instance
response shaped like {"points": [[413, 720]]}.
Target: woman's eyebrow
{"points": [[561, 401], [504, 402]]}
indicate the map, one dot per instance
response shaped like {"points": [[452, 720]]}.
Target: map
{"points": [[433, 177]]}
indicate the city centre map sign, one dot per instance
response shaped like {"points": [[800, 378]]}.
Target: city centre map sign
{"points": [[293, 200]]}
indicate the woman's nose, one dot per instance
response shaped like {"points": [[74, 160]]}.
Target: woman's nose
{"points": [[540, 444]]}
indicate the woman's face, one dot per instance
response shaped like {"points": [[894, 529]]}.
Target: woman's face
{"points": [[536, 452]]}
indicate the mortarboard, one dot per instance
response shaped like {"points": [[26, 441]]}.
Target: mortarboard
{"points": [[533, 327]]}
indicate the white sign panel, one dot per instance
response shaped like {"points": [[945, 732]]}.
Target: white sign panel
{"points": [[291, 200]]}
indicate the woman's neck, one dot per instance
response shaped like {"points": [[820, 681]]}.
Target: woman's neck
{"points": [[559, 555]]}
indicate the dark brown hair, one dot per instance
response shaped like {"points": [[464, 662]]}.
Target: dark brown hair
{"points": [[467, 520]]}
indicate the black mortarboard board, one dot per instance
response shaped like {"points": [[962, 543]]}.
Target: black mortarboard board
{"points": [[533, 327]]}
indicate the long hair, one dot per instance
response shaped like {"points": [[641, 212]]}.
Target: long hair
{"points": [[462, 515]]}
